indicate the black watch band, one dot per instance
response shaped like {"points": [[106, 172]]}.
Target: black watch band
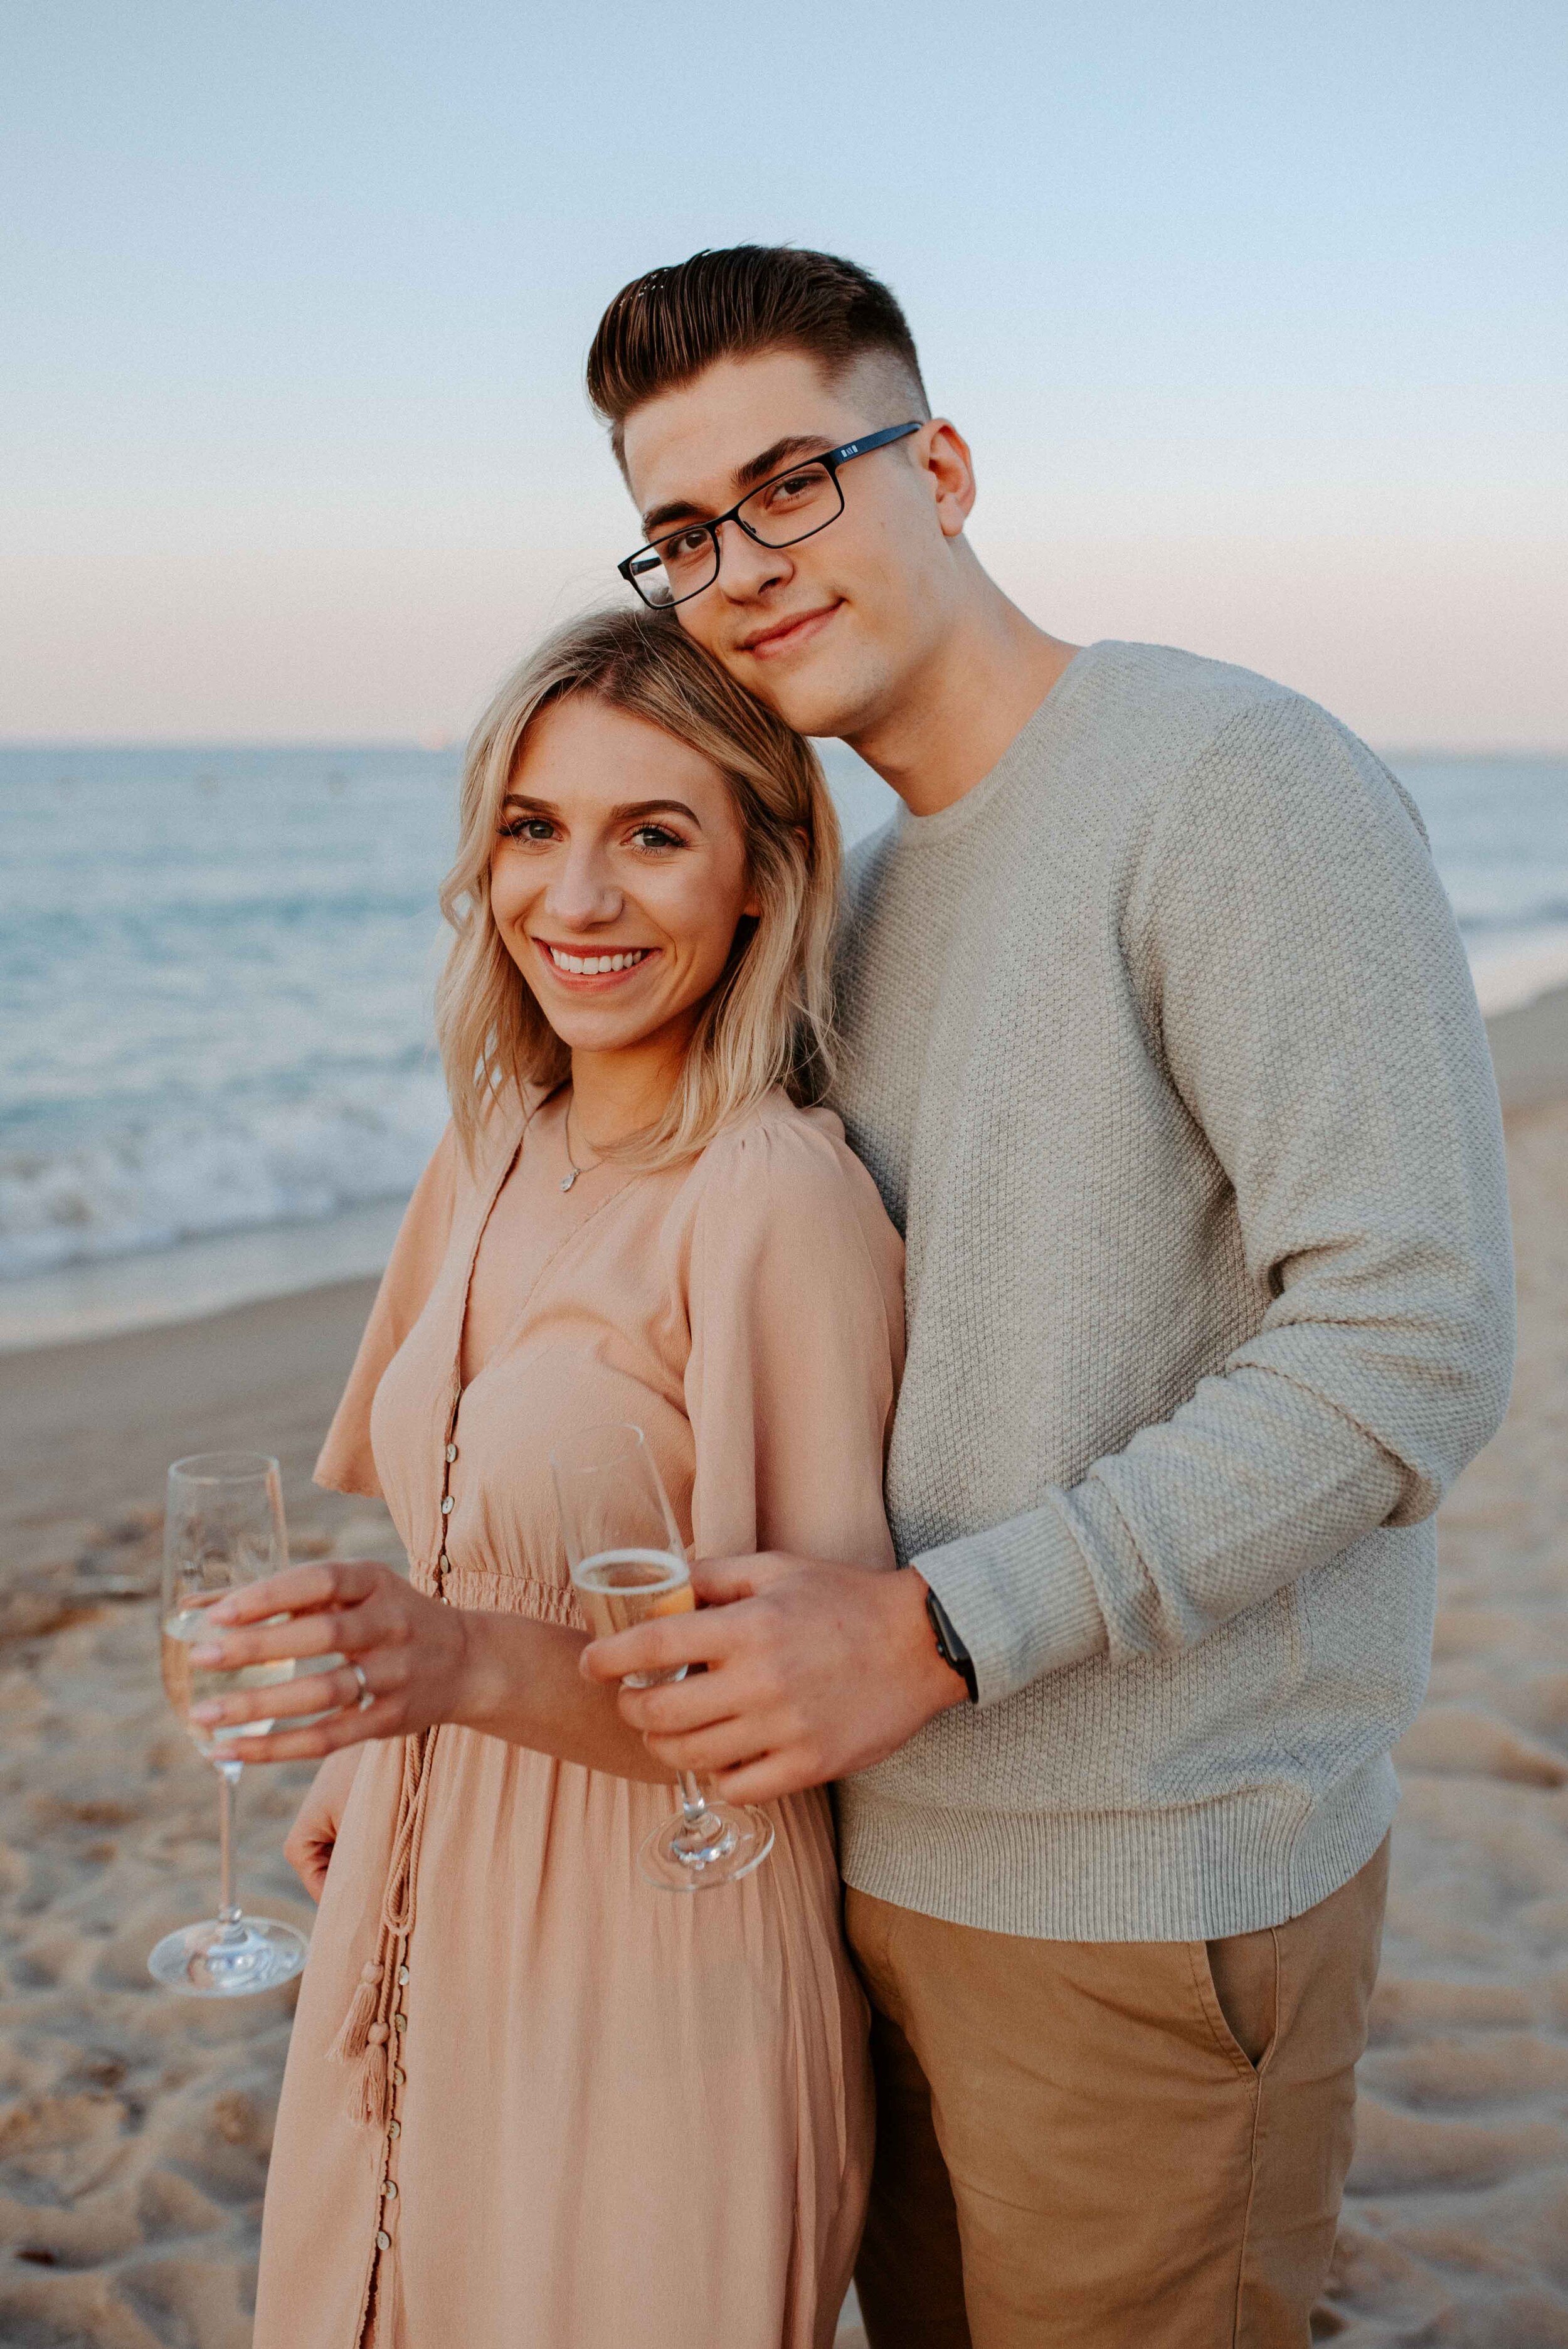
{"points": [[949, 1646]]}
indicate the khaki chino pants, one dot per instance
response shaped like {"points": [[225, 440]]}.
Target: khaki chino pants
{"points": [[1109, 2144]]}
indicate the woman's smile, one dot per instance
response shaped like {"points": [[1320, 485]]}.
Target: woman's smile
{"points": [[594, 967]]}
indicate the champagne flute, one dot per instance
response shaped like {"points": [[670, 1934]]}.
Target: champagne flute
{"points": [[223, 1527], [628, 1564]]}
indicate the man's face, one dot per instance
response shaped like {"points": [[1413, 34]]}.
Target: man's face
{"points": [[825, 632]]}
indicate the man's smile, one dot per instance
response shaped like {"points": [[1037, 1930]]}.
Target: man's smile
{"points": [[784, 635]]}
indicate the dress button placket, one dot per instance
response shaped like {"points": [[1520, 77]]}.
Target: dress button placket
{"points": [[449, 1453]]}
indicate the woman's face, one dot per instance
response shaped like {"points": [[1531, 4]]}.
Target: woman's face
{"points": [[619, 876]]}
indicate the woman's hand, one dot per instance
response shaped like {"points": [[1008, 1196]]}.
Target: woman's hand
{"points": [[414, 1653], [309, 1848], [502, 1674]]}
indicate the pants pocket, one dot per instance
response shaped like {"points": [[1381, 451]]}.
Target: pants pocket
{"points": [[1237, 1981]]}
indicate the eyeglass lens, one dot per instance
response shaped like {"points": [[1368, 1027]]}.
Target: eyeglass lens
{"points": [[777, 514]]}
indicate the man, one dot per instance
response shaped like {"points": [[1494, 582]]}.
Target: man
{"points": [[1159, 1041]]}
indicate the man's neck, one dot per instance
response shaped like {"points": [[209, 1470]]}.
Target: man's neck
{"points": [[990, 674]]}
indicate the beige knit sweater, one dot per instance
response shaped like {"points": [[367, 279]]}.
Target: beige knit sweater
{"points": [[1162, 1049]]}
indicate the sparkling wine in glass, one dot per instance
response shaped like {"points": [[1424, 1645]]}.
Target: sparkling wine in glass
{"points": [[223, 1526], [628, 1564]]}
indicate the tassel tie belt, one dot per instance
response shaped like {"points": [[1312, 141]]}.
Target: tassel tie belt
{"points": [[375, 2018], [369, 2042], [363, 2043]]}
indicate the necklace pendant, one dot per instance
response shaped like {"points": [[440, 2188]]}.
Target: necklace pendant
{"points": [[571, 1178]]}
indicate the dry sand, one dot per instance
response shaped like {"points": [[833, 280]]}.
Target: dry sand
{"points": [[134, 2126]]}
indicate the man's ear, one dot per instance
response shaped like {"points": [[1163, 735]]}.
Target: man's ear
{"points": [[943, 454]]}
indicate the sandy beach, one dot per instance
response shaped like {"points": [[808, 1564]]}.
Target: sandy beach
{"points": [[134, 2127]]}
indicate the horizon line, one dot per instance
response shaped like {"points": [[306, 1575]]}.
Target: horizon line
{"points": [[64, 745]]}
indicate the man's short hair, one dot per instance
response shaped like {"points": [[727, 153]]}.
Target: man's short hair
{"points": [[664, 329]]}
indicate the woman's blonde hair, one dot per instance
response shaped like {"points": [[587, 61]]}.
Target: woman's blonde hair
{"points": [[768, 1021]]}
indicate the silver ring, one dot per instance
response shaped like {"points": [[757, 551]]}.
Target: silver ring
{"points": [[365, 1698]]}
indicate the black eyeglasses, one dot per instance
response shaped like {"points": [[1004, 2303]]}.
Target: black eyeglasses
{"points": [[793, 505]]}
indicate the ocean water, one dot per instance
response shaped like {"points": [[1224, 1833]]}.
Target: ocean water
{"points": [[216, 1074]]}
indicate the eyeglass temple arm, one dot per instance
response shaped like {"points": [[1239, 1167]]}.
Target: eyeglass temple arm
{"points": [[837, 457]]}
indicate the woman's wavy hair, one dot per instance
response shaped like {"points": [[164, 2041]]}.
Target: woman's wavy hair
{"points": [[768, 1021]]}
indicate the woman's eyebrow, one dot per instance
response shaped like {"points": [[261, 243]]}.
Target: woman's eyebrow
{"points": [[657, 807], [621, 814]]}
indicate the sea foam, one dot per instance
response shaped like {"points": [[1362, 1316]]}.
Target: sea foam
{"points": [[235, 1168]]}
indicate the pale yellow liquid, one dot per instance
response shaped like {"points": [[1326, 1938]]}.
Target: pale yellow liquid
{"points": [[621, 1588], [185, 1686]]}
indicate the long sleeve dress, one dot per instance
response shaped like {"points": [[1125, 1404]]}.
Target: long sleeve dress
{"points": [[533, 2101]]}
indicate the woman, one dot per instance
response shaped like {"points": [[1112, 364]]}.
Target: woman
{"points": [[531, 2102]]}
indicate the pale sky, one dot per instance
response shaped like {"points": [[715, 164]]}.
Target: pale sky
{"points": [[1253, 315]]}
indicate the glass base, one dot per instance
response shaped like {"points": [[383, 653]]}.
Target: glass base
{"points": [[723, 1843], [218, 1960]]}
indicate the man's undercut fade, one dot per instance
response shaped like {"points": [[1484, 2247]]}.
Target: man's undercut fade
{"points": [[662, 330]]}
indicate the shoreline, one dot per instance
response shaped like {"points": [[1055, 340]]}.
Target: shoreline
{"points": [[88, 1303], [199, 1277]]}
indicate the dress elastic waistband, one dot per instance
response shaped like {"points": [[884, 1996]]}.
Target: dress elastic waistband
{"points": [[501, 1594]]}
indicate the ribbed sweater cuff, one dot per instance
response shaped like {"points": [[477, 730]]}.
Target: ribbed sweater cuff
{"points": [[1020, 1598]]}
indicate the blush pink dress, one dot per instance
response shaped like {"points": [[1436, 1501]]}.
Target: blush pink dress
{"points": [[533, 2101]]}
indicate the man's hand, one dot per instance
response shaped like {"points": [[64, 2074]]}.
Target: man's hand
{"points": [[311, 1839], [813, 1671]]}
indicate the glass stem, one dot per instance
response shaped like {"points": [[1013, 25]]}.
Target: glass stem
{"points": [[693, 1804], [227, 1907]]}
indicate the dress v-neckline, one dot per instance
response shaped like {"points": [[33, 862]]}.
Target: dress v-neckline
{"points": [[514, 1327]]}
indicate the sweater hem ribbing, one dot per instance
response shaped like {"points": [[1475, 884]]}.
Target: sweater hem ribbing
{"points": [[1198, 1874]]}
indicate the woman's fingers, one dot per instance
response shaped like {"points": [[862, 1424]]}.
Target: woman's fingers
{"points": [[407, 1645], [313, 1838], [324, 1582], [385, 1718], [287, 1699], [380, 1619], [334, 1606], [308, 1850], [301, 1635]]}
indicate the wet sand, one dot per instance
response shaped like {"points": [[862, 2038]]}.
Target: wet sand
{"points": [[134, 2127]]}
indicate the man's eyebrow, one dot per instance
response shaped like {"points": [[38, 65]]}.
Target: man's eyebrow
{"points": [[761, 468]]}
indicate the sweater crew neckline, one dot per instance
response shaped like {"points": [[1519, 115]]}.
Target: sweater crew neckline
{"points": [[915, 830]]}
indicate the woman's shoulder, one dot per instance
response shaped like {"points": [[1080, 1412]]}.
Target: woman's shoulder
{"points": [[775, 1142], [789, 1172]]}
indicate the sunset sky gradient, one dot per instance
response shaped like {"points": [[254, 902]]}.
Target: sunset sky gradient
{"points": [[1253, 315]]}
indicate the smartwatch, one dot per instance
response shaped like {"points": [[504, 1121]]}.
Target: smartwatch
{"points": [[949, 1646]]}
